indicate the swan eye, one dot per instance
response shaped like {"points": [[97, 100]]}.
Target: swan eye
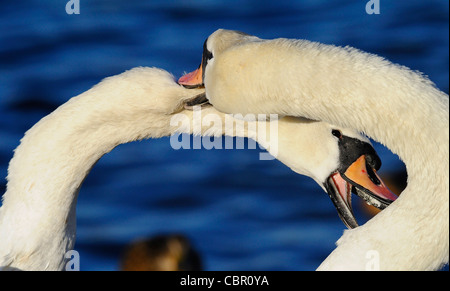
{"points": [[336, 133]]}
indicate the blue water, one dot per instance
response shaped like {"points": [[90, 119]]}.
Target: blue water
{"points": [[239, 212]]}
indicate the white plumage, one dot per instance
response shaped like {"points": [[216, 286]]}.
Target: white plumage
{"points": [[394, 105], [38, 216]]}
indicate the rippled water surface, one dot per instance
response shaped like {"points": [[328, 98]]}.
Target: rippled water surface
{"points": [[239, 212]]}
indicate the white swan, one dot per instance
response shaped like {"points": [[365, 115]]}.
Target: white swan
{"points": [[392, 104], [37, 219]]}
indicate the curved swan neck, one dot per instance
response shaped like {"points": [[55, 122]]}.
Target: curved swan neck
{"points": [[37, 219], [392, 104], [404, 111]]}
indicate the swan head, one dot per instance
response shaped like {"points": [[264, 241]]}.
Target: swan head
{"points": [[340, 160], [215, 44]]}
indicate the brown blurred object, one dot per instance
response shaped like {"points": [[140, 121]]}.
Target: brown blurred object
{"points": [[395, 181], [161, 253]]}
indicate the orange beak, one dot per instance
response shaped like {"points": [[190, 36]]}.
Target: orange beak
{"points": [[193, 79], [368, 184]]}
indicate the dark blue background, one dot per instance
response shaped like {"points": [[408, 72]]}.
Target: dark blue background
{"points": [[240, 213]]}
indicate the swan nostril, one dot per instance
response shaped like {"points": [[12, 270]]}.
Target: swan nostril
{"points": [[373, 161]]}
